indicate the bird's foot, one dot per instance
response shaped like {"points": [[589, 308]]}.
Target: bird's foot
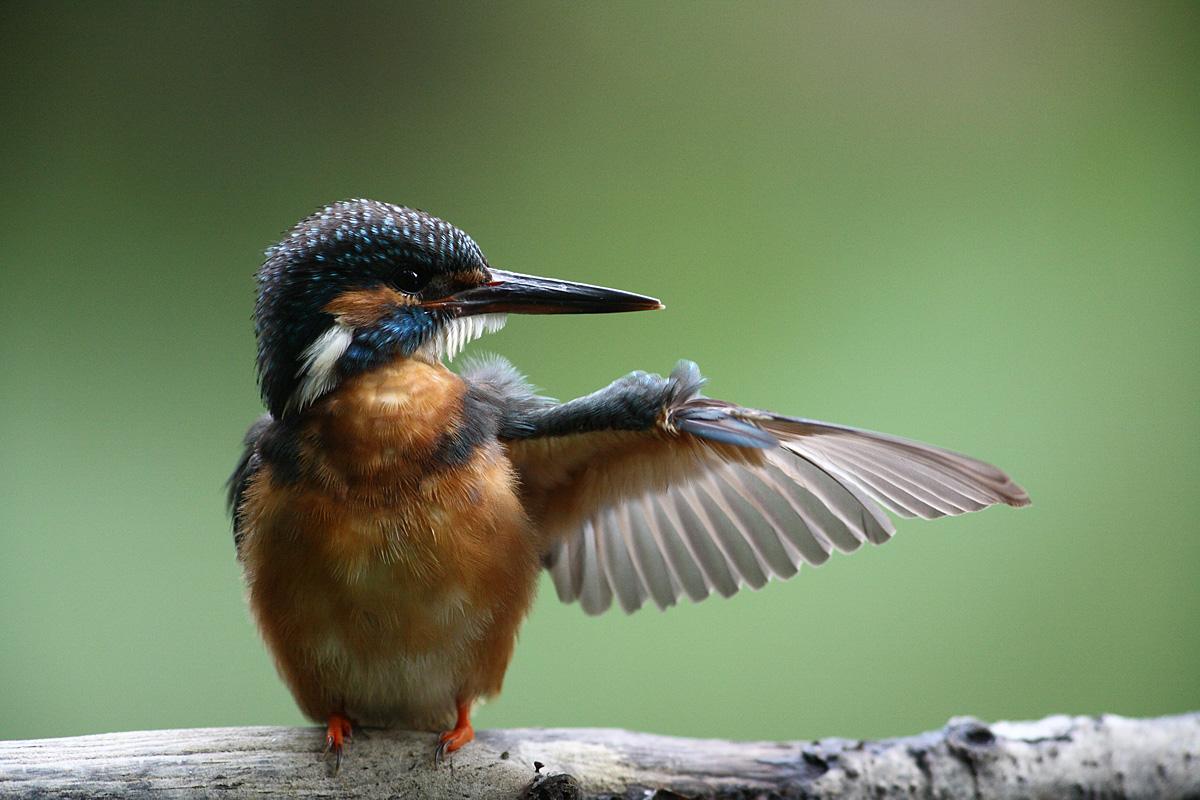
{"points": [[452, 740], [337, 733]]}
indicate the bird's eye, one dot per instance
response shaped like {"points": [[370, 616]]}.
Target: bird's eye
{"points": [[411, 280]]}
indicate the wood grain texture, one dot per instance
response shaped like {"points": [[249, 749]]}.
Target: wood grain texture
{"points": [[1106, 756]]}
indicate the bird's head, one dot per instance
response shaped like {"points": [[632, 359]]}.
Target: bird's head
{"points": [[361, 283]]}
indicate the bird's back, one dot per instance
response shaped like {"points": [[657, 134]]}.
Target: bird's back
{"points": [[388, 559]]}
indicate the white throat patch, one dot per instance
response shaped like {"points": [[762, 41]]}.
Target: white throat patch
{"points": [[317, 371], [456, 334]]}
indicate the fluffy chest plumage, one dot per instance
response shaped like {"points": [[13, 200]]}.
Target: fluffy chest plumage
{"points": [[384, 572]]}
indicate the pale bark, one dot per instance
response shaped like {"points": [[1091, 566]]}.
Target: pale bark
{"points": [[1056, 757]]}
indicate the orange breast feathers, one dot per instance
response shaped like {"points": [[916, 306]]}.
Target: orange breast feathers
{"points": [[390, 577]]}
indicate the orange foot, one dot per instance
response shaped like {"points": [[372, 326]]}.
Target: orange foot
{"points": [[337, 733], [450, 741]]}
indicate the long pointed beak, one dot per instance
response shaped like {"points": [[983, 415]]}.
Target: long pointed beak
{"points": [[514, 293]]}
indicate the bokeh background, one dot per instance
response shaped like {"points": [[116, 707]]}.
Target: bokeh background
{"points": [[974, 224]]}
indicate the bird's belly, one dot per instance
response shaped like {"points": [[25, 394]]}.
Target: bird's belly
{"points": [[392, 609], [389, 656]]}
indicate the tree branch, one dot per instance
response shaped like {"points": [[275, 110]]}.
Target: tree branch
{"points": [[1060, 756]]}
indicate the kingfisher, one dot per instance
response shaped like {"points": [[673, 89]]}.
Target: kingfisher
{"points": [[392, 516]]}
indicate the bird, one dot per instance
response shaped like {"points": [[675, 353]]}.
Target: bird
{"points": [[392, 516]]}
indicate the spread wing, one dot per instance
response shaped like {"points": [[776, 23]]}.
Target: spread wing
{"points": [[648, 491]]}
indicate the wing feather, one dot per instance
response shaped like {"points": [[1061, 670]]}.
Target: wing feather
{"points": [[803, 527], [711, 496], [683, 568], [895, 497], [651, 566], [726, 535], [751, 526], [716, 569], [622, 575], [595, 593], [861, 518]]}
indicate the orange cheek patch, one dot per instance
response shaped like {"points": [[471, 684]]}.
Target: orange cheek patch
{"points": [[360, 307]]}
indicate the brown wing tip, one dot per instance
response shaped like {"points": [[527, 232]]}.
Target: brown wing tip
{"points": [[1015, 495]]}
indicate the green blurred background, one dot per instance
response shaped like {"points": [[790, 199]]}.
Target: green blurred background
{"points": [[974, 224]]}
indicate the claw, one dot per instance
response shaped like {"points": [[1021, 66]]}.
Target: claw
{"points": [[452, 740], [338, 731], [439, 755]]}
